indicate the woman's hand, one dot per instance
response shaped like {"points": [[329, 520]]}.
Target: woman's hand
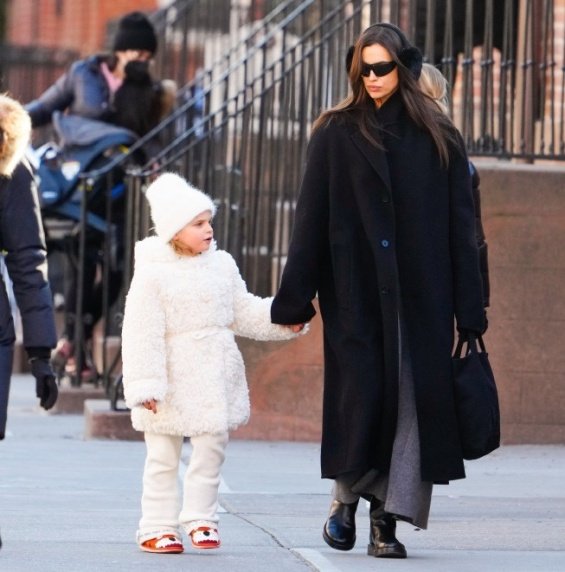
{"points": [[150, 404]]}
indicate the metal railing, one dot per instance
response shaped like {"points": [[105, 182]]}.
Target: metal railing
{"points": [[250, 155], [205, 143], [26, 71], [506, 62]]}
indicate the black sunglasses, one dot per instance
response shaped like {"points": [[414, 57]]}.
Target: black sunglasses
{"points": [[381, 69]]}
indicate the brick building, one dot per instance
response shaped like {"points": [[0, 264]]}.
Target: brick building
{"points": [[80, 25]]}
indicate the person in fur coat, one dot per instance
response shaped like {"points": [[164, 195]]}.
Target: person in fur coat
{"points": [[183, 373]]}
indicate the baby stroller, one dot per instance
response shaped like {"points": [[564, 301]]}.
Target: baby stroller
{"points": [[85, 145]]}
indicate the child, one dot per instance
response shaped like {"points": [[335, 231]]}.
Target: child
{"points": [[183, 373], [434, 84]]}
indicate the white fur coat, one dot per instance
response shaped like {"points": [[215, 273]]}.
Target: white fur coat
{"points": [[178, 343]]}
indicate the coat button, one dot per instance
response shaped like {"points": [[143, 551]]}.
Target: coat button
{"points": [[385, 290], [385, 243], [385, 198]]}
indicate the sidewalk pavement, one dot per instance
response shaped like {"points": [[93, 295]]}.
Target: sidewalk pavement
{"points": [[72, 505]]}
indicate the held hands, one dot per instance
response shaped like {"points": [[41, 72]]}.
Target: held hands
{"points": [[45, 382], [151, 405]]}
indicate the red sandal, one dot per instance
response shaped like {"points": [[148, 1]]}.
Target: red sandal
{"points": [[205, 537], [163, 544]]}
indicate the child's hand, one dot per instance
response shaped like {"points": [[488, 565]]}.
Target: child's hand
{"points": [[150, 404], [296, 328]]}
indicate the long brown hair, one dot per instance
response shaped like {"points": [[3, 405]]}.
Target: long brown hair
{"points": [[421, 110]]}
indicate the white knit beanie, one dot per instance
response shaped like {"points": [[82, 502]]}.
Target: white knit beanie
{"points": [[174, 203]]}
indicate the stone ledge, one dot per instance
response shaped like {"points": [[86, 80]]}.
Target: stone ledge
{"points": [[536, 433], [71, 399], [101, 422]]}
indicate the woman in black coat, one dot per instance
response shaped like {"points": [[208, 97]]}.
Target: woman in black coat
{"points": [[384, 235]]}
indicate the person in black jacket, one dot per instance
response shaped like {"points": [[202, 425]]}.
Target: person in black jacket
{"points": [[114, 88], [23, 245], [88, 88]]}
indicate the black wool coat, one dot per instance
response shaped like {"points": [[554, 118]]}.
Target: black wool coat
{"points": [[382, 237]]}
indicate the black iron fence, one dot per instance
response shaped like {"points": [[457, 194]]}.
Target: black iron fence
{"points": [[26, 71]]}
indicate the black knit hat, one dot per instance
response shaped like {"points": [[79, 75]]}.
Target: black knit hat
{"points": [[135, 32]]}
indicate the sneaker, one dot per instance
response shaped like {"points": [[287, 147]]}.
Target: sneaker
{"points": [[205, 537], [163, 544]]}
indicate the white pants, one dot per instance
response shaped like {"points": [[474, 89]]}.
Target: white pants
{"points": [[161, 510]]}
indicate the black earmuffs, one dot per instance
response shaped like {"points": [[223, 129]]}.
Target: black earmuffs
{"points": [[409, 55]]}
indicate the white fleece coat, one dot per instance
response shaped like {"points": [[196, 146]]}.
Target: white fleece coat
{"points": [[178, 343]]}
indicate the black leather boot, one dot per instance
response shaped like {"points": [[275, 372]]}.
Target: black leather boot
{"points": [[339, 530], [382, 540]]}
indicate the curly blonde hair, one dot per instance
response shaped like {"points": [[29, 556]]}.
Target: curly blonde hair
{"points": [[181, 249], [15, 134]]}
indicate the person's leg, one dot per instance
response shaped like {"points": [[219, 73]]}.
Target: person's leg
{"points": [[382, 538], [91, 256], [107, 283], [95, 309], [65, 349], [342, 488], [339, 530], [6, 360], [160, 501], [201, 484]]}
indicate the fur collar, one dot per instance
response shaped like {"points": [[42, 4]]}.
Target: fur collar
{"points": [[15, 125]]}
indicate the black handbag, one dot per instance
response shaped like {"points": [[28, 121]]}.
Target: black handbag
{"points": [[476, 398]]}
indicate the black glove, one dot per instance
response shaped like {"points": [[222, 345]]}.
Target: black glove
{"points": [[464, 333], [45, 382]]}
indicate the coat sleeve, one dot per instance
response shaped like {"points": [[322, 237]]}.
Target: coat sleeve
{"points": [[58, 97], [308, 246], [480, 235], [143, 342], [26, 258], [252, 314], [467, 282]]}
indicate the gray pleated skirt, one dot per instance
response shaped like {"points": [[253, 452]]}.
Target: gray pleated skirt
{"points": [[402, 490]]}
